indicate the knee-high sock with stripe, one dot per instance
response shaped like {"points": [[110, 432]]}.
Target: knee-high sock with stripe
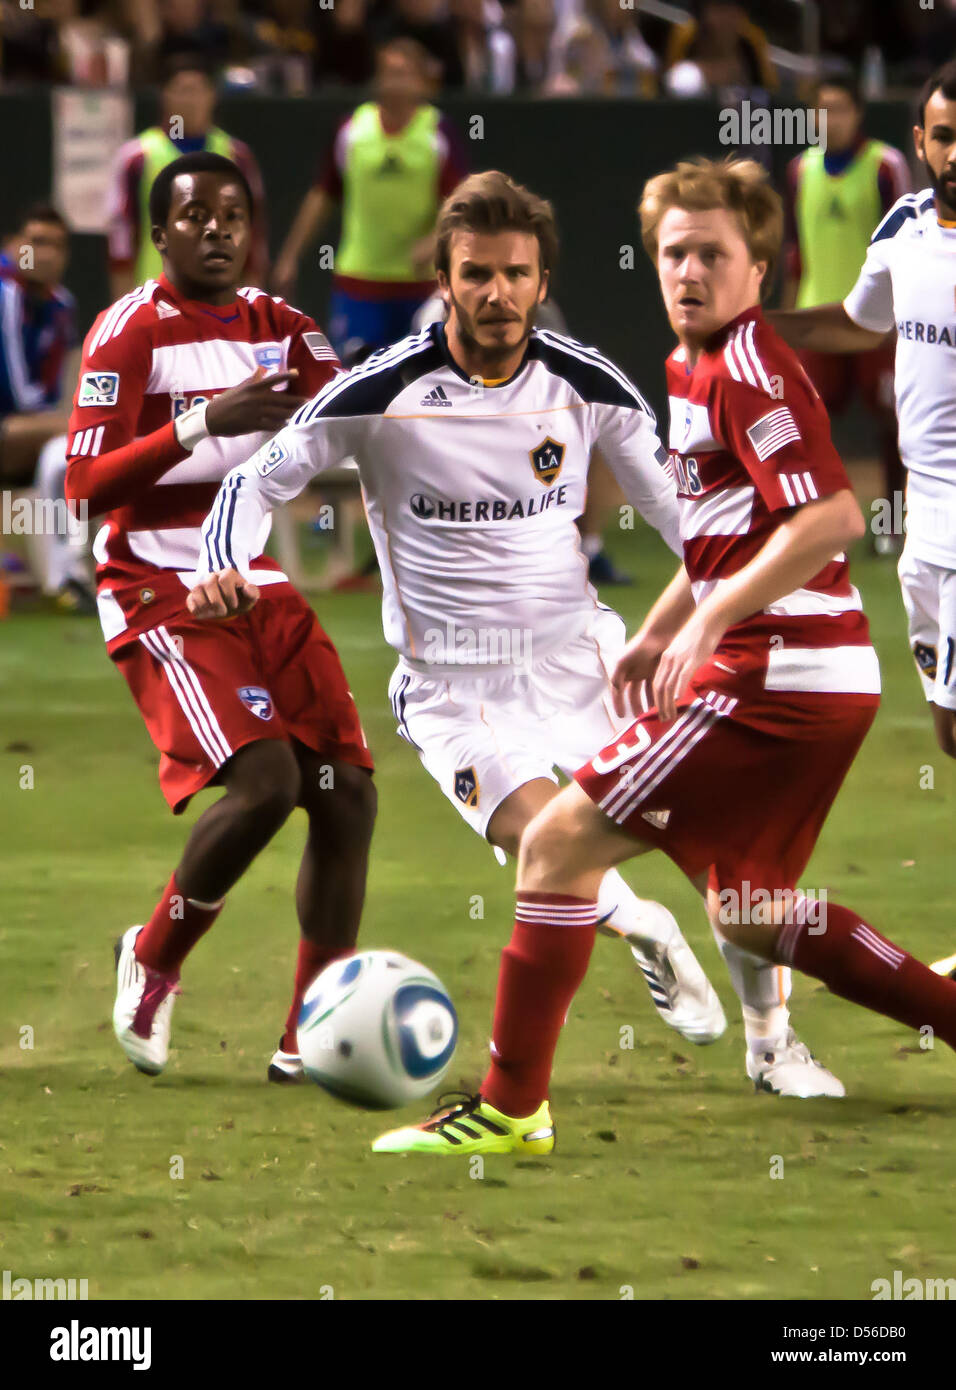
{"points": [[541, 969], [173, 930], [856, 962]]}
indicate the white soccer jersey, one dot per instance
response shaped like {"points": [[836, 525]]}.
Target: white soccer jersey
{"points": [[471, 491], [909, 279]]}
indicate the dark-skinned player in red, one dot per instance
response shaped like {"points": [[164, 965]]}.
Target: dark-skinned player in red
{"points": [[181, 380]]}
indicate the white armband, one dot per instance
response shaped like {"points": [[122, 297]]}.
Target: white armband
{"points": [[190, 427]]}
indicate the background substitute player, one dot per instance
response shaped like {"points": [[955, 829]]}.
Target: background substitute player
{"points": [[834, 199], [733, 770], [171, 396]]}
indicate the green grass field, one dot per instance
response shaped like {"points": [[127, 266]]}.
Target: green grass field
{"points": [[661, 1182]]}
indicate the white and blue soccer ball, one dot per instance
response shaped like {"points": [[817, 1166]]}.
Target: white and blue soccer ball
{"points": [[377, 1029]]}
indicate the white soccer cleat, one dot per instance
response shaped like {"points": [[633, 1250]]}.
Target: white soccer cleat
{"points": [[286, 1067], [792, 1070], [946, 967], [143, 1010], [680, 991]]}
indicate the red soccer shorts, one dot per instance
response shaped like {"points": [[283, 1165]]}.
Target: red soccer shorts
{"points": [[207, 688], [738, 788]]}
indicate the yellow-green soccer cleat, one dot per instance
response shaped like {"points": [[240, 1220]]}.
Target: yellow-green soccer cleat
{"points": [[471, 1126]]}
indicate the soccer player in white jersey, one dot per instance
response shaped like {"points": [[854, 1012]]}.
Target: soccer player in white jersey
{"points": [[908, 282], [473, 441]]}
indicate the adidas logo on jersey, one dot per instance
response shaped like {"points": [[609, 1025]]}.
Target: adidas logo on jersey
{"points": [[164, 310], [436, 397], [658, 819]]}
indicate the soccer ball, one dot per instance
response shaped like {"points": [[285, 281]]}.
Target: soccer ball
{"points": [[377, 1029]]}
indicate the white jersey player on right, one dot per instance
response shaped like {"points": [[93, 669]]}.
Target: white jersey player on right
{"points": [[473, 441], [908, 282]]}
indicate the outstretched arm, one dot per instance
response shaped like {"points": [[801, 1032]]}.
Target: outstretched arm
{"points": [[826, 328], [234, 532], [313, 212], [861, 322], [109, 479]]}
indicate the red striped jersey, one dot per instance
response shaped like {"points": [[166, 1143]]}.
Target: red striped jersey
{"points": [[749, 442], [147, 358]]}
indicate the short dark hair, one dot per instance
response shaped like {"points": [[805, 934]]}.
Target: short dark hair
{"points": [[943, 80], [844, 82], [43, 212], [491, 202], [202, 162], [184, 61]]}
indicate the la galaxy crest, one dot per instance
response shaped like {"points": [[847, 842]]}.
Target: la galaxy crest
{"points": [[466, 787], [925, 658], [546, 460]]}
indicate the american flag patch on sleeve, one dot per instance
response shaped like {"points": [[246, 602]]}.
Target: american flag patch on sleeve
{"points": [[320, 347], [772, 432]]}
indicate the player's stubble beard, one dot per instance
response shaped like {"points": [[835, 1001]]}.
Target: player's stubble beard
{"points": [[944, 187], [489, 360]]}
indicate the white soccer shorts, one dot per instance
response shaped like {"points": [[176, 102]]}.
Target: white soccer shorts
{"points": [[483, 735], [929, 596]]}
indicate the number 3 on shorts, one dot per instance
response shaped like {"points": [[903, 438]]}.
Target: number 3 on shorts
{"points": [[624, 751]]}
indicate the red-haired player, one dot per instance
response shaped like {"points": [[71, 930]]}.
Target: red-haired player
{"points": [[763, 677], [182, 379]]}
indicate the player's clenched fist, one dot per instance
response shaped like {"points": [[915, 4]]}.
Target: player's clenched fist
{"points": [[224, 594], [253, 405]]}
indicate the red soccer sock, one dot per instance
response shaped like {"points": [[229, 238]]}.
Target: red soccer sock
{"points": [[170, 934], [541, 969], [311, 962], [859, 964]]}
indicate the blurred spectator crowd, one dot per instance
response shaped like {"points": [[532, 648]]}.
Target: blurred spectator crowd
{"points": [[539, 47]]}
